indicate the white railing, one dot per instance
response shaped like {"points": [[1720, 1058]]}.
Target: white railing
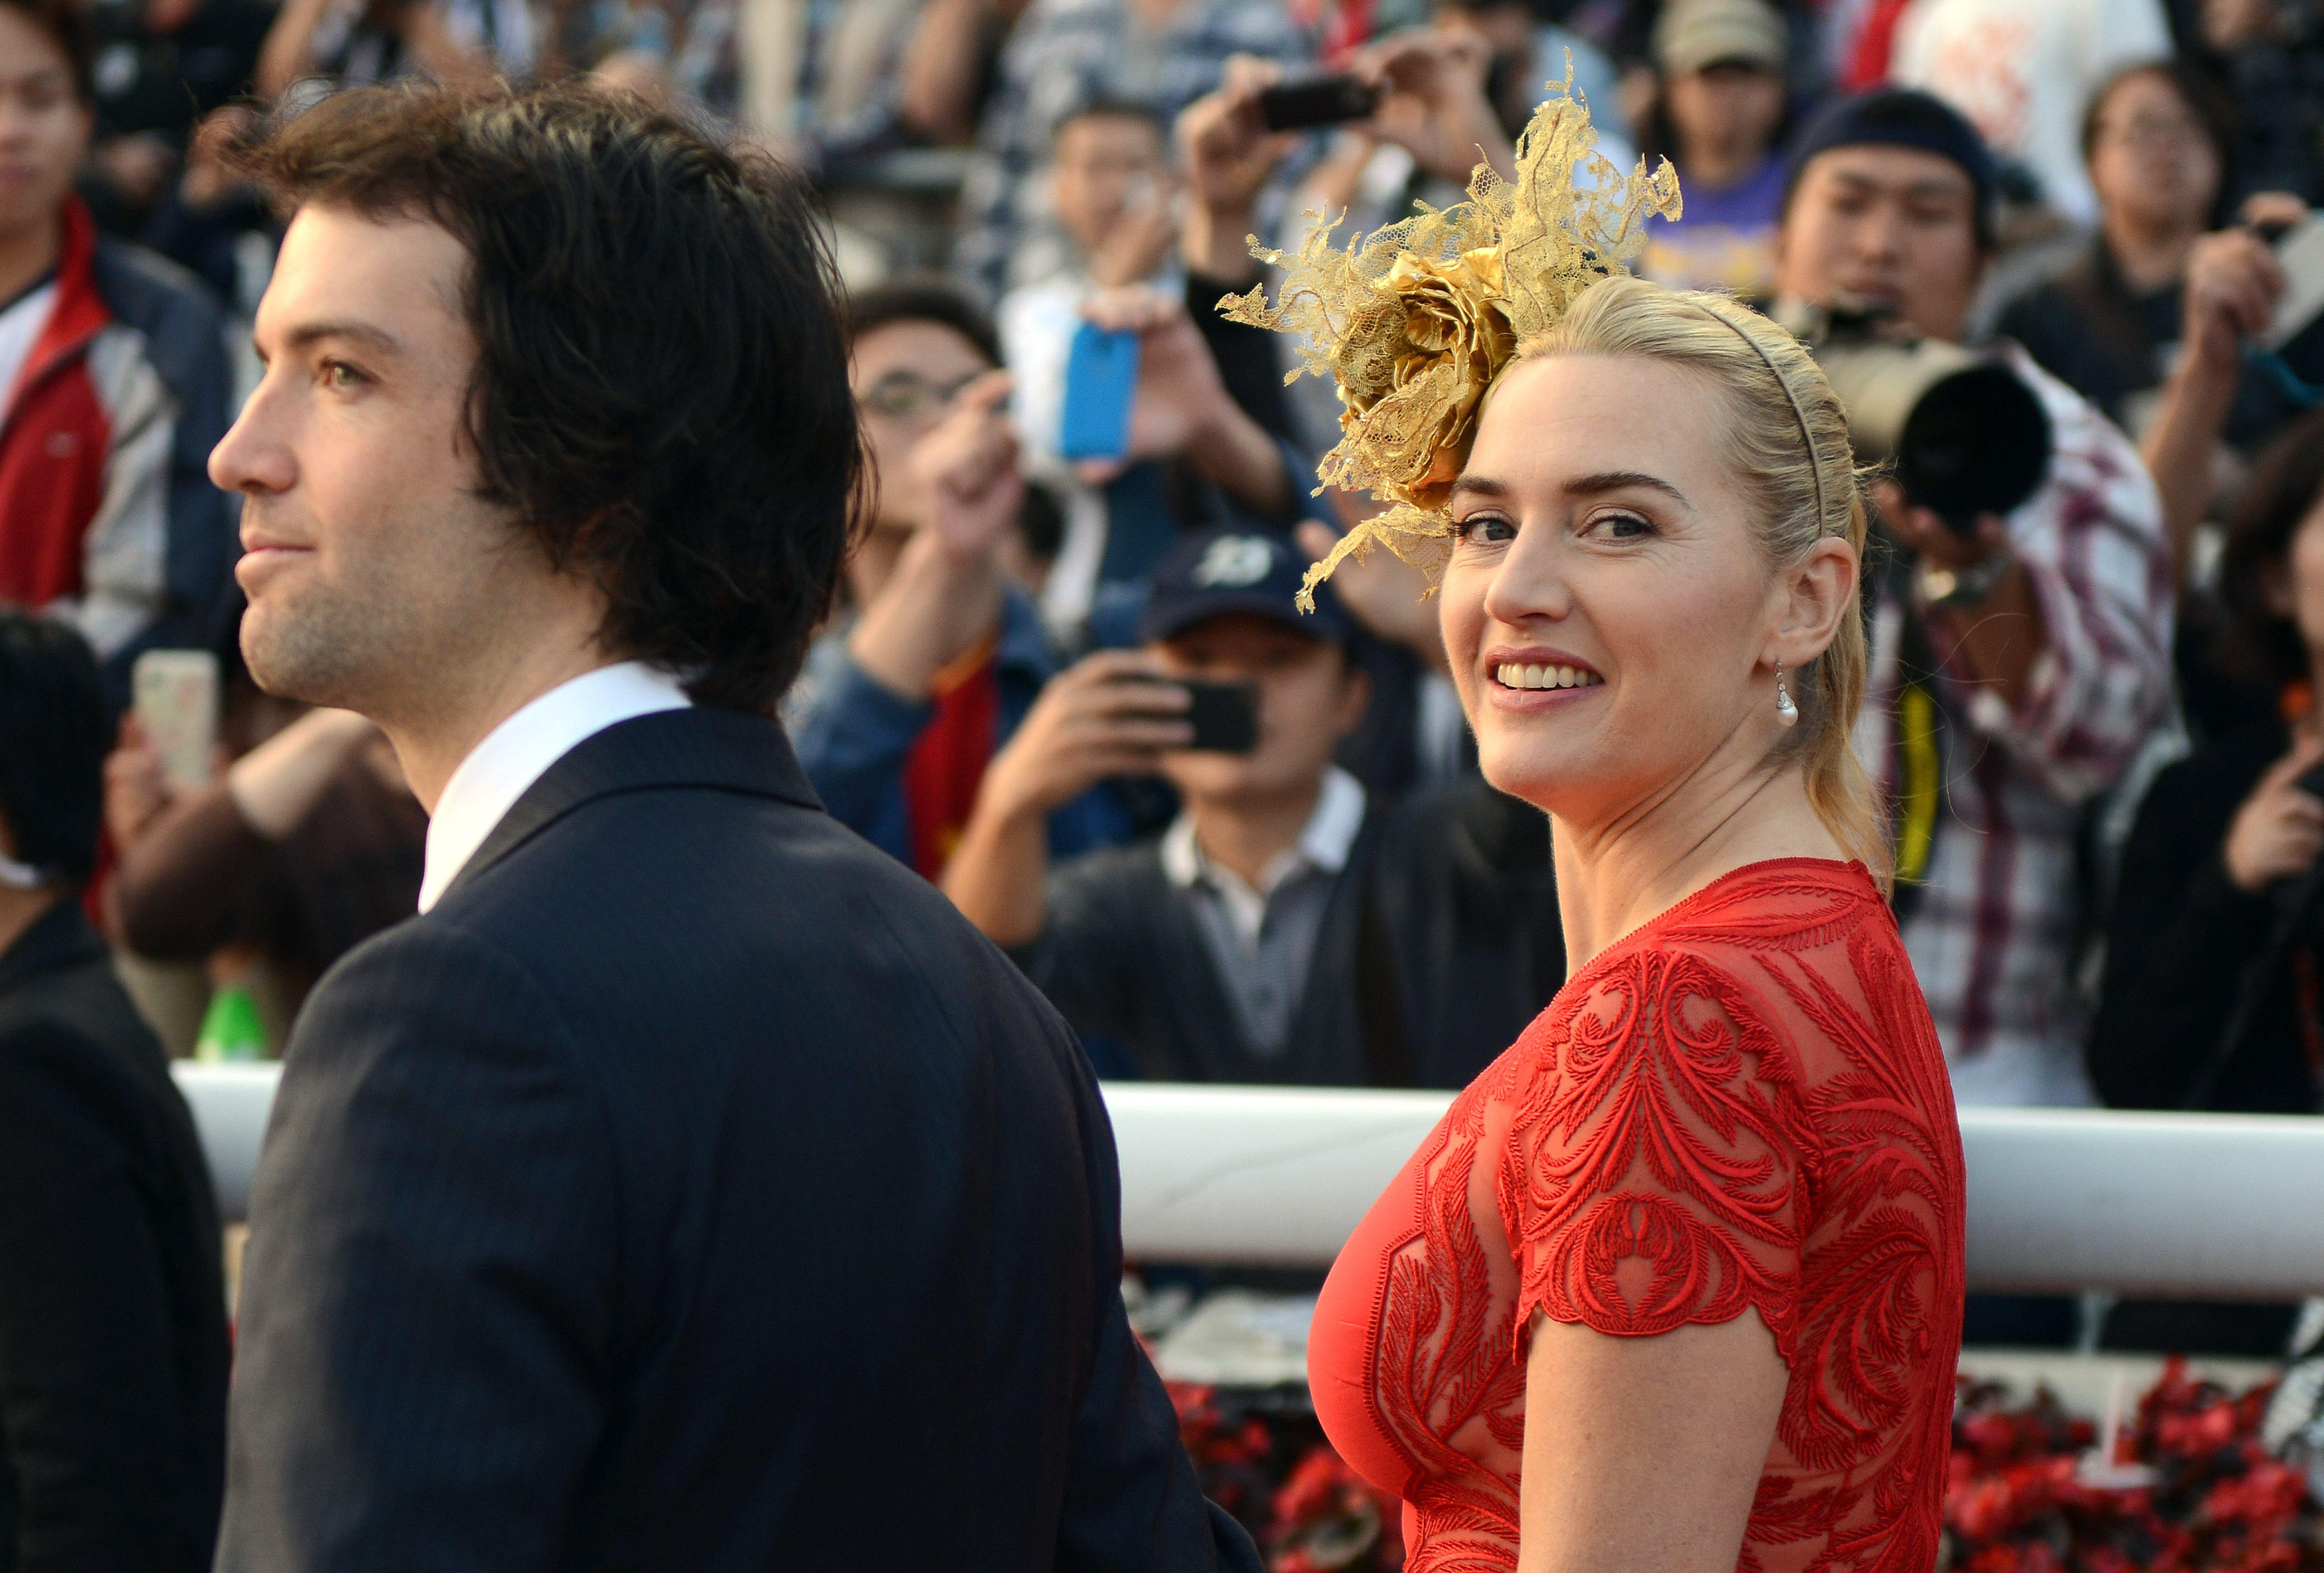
{"points": [[2224, 1206]]}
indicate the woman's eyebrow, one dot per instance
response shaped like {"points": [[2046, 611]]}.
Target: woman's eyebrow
{"points": [[1616, 481], [1477, 486]]}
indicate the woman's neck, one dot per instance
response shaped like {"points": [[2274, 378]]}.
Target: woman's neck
{"points": [[1615, 875], [2148, 258]]}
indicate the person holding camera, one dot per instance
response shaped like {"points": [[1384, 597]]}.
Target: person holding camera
{"points": [[2157, 141], [902, 711], [2212, 997], [900, 708], [1289, 927], [1061, 54], [2018, 663], [1225, 951], [2235, 282]]}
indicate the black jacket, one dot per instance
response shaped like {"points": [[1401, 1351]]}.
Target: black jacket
{"points": [[1465, 902], [2180, 942], [1440, 943], [112, 1341], [1122, 955], [692, 1189]]}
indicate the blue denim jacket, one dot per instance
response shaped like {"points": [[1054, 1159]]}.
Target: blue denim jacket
{"points": [[852, 736]]}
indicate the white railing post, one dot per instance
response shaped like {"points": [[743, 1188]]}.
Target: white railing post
{"points": [[2206, 1205]]}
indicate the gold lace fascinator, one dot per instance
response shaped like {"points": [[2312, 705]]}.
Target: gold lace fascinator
{"points": [[1417, 321]]}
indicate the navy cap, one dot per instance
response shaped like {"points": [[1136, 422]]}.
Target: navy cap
{"points": [[1218, 571], [1898, 117]]}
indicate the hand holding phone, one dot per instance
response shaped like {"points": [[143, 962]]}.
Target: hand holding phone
{"points": [[2300, 252], [1317, 101], [175, 694], [1100, 385], [1114, 713]]}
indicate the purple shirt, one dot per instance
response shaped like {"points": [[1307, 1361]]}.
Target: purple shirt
{"points": [[1721, 240]]}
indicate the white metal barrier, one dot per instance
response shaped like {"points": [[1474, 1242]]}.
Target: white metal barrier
{"points": [[2219, 1206]]}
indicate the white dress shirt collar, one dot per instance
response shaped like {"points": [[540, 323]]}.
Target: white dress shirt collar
{"points": [[518, 752]]}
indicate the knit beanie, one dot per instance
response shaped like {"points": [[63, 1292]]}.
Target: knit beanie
{"points": [[1898, 117]]}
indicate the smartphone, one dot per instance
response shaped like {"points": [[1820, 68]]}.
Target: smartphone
{"points": [[175, 693], [1318, 101], [1224, 716], [2301, 251], [1100, 382]]}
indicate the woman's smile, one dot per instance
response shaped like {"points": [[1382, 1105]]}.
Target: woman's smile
{"points": [[1537, 679]]}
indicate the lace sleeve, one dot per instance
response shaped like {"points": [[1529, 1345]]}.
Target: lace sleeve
{"points": [[1653, 1172]]}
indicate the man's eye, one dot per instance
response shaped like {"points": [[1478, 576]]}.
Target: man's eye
{"points": [[1485, 530], [340, 376]]}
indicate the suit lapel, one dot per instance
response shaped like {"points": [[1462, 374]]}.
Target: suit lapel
{"points": [[701, 747]]}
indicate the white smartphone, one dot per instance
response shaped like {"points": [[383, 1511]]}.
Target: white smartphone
{"points": [[175, 693], [2301, 250]]}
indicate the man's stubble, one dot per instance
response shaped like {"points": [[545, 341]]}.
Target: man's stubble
{"points": [[389, 633]]}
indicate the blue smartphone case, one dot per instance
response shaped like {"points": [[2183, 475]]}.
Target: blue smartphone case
{"points": [[1101, 380]]}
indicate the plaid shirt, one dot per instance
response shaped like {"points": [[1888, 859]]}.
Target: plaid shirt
{"points": [[2002, 792], [1064, 54]]}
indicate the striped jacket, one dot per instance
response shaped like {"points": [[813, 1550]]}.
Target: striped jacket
{"points": [[107, 516], [1989, 801]]}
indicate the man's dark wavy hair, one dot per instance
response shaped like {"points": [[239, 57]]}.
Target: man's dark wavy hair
{"points": [[660, 391]]}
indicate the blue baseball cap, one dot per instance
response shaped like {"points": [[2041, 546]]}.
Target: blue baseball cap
{"points": [[1216, 571]]}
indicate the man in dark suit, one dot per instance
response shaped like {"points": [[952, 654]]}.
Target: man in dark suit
{"points": [[113, 1344], [688, 1187]]}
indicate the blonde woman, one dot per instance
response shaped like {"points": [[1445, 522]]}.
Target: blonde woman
{"points": [[1676, 1284]]}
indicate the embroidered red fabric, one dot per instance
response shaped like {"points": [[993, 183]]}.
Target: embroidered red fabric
{"points": [[1741, 1104]]}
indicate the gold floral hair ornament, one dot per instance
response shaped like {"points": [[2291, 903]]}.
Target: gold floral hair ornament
{"points": [[1416, 322]]}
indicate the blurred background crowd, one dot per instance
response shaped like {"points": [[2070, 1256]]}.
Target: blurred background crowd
{"points": [[2093, 712]]}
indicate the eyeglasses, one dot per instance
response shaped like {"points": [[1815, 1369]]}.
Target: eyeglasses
{"points": [[2153, 131], [902, 395]]}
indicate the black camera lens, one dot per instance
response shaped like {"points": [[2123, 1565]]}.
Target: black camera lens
{"points": [[1977, 441]]}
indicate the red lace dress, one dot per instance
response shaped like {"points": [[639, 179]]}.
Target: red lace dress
{"points": [[1740, 1104]]}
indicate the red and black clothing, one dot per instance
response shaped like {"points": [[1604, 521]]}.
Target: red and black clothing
{"points": [[107, 516]]}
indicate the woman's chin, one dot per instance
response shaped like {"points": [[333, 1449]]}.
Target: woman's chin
{"points": [[1525, 770]]}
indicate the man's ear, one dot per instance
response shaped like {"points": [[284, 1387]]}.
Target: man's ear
{"points": [[1818, 591]]}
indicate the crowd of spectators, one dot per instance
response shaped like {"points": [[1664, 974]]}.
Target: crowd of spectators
{"points": [[2094, 720]]}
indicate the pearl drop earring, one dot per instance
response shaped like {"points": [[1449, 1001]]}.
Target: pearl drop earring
{"points": [[1786, 712]]}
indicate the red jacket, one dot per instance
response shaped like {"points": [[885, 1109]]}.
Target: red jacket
{"points": [[106, 512]]}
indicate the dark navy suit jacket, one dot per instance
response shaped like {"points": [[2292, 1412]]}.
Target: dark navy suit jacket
{"points": [[692, 1189]]}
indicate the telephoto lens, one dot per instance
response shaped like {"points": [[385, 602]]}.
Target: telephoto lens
{"points": [[1965, 434]]}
